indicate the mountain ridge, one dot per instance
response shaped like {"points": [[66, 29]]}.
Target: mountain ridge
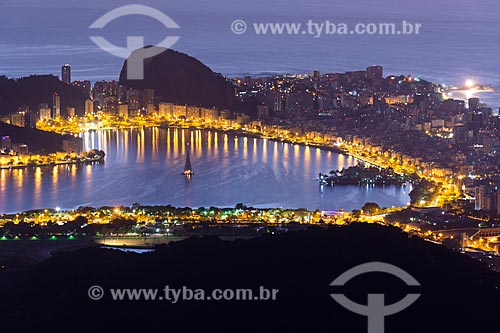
{"points": [[179, 78]]}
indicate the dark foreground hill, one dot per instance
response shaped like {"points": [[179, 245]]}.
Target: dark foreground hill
{"points": [[38, 141], [181, 79], [457, 293]]}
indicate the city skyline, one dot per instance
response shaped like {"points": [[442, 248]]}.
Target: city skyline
{"points": [[113, 99]]}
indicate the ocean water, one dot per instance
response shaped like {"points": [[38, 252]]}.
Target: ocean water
{"points": [[459, 39]]}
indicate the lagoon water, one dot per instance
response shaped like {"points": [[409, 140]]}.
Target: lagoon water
{"points": [[145, 166]]}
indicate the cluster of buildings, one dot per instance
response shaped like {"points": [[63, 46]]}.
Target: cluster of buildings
{"points": [[109, 97], [401, 119], [487, 198], [8, 147], [316, 93], [26, 116]]}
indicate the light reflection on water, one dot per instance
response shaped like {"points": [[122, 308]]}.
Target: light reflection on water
{"points": [[145, 165]]}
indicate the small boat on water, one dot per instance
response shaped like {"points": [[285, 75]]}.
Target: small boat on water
{"points": [[188, 170]]}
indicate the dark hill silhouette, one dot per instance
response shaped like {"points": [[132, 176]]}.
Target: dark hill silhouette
{"points": [[181, 79], [37, 89], [38, 141], [458, 293]]}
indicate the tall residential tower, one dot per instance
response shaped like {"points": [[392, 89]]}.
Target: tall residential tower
{"points": [[56, 106], [66, 74]]}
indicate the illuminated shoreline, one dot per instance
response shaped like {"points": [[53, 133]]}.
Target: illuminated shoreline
{"points": [[448, 192], [52, 164]]}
